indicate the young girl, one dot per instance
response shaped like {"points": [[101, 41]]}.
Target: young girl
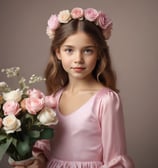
{"points": [[90, 132]]}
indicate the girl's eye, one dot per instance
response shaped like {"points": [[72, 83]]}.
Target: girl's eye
{"points": [[68, 50], [88, 51]]}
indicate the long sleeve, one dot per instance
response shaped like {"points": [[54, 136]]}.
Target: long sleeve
{"points": [[42, 146], [113, 133]]}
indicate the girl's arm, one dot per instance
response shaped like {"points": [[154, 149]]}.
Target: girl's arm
{"points": [[113, 133]]}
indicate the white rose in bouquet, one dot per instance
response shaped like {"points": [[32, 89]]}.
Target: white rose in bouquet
{"points": [[11, 124], [47, 116], [14, 95]]}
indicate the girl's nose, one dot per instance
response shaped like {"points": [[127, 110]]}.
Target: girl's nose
{"points": [[78, 57]]}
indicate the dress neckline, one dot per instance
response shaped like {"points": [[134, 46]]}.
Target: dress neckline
{"points": [[82, 106]]}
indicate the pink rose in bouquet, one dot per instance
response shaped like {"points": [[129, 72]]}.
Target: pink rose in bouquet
{"points": [[33, 105], [35, 93], [49, 101], [11, 107]]}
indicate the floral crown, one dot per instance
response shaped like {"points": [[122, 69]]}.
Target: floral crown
{"points": [[90, 14]]}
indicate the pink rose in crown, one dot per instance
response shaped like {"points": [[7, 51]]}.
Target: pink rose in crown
{"points": [[64, 16], [11, 107], [91, 14], [33, 105], [77, 13], [103, 21], [53, 22], [107, 31], [50, 33]]}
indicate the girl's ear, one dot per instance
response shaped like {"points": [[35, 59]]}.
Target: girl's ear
{"points": [[57, 51]]}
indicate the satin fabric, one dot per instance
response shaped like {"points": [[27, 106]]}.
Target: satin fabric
{"points": [[91, 137]]}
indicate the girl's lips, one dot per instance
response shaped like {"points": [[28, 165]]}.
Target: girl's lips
{"points": [[78, 69]]}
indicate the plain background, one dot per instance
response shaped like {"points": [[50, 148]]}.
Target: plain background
{"points": [[134, 50]]}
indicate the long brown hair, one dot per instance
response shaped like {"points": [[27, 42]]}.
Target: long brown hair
{"points": [[56, 77]]}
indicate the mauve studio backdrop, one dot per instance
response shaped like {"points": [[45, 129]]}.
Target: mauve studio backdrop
{"points": [[134, 51]]}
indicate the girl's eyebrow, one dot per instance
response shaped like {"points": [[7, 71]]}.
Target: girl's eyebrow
{"points": [[68, 46], [88, 46]]}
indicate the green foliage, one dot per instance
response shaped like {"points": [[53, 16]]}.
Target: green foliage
{"points": [[4, 146]]}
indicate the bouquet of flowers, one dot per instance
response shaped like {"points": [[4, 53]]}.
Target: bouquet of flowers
{"points": [[25, 116]]}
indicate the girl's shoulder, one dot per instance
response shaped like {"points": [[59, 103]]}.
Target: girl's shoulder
{"points": [[107, 92], [107, 96], [107, 102]]}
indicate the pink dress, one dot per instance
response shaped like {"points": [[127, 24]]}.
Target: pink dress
{"points": [[91, 137]]}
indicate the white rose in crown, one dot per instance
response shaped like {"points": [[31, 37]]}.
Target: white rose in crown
{"points": [[14, 95], [47, 116], [11, 124], [64, 16]]}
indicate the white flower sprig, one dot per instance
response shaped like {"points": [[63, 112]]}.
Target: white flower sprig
{"points": [[15, 72], [34, 78], [4, 87], [11, 72]]}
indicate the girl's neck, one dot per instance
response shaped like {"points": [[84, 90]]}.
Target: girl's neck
{"points": [[76, 86]]}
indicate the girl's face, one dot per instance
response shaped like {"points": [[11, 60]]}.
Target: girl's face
{"points": [[78, 55]]}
